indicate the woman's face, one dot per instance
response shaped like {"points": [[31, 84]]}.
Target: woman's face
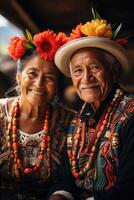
{"points": [[38, 81]]}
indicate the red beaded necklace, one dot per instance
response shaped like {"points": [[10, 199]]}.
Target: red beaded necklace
{"points": [[13, 145], [75, 136]]}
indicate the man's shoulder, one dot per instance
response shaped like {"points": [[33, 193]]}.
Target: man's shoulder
{"points": [[128, 100], [129, 96], [127, 105]]}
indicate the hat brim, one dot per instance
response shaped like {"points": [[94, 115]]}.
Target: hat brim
{"points": [[64, 53]]}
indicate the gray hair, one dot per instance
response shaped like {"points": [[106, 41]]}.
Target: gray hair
{"points": [[21, 62], [20, 65]]}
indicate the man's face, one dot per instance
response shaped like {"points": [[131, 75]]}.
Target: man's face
{"points": [[92, 75]]}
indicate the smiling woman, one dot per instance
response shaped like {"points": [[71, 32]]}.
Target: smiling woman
{"points": [[38, 83], [32, 125]]}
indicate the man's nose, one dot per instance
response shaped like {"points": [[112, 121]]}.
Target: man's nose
{"points": [[87, 74]]}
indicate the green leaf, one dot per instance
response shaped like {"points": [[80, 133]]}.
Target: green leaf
{"points": [[29, 35], [95, 14], [30, 45], [117, 30]]}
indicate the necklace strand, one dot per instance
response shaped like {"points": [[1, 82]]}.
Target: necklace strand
{"points": [[74, 139], [12, 142]]}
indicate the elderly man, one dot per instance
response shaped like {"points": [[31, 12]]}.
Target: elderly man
{"points": [[100, 142]]}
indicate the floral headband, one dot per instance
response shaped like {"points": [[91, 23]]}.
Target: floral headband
{"points": [[45, 43]]}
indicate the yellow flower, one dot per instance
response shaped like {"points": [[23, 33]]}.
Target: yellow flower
{"points": [[98, 28]]}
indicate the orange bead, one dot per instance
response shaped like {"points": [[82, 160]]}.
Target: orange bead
{"points": [[43, 145]]}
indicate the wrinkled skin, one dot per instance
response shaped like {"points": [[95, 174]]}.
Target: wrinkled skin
{"points": [[38, 81], [92, 73]]}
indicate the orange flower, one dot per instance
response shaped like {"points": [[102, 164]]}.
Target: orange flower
{"points": [[16, 47], [76, 33], [46, 44]]}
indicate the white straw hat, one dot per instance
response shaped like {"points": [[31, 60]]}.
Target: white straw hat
{"points": [[64, 53]]}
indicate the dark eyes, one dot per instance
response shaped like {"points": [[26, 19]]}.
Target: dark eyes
{"points": [[77, 71], [93, 69], [50, 78], [33, 74]]}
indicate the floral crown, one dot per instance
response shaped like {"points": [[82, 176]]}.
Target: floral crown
{"points": [[98, 27], [45, 43]]}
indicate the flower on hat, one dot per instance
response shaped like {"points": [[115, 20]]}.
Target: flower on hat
{"points": [[45, 43], [76, 33], [98, 27], [17, 48], [122, 41]]}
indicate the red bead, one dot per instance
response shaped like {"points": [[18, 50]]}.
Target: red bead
{"points": [[74, 158], [69, 153], [40, 157], [18, 161], [26, 170], [37, 165], [15, 146], [76, 175], [44, 137], [14, 128]]}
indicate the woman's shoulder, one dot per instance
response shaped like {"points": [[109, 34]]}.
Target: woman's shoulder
{"points": [[5, 104]]}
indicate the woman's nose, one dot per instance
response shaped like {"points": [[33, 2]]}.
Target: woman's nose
{"points": [[39, 81]]}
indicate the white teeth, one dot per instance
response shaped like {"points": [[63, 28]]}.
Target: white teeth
{"points": [[37, 93], [88, 86]]}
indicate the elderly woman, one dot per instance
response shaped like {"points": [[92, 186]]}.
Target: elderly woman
{"points": [[32, 125], [100, 142]]}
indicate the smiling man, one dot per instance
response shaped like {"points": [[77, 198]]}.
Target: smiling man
{"points": [[91, 75], [100, 142]]}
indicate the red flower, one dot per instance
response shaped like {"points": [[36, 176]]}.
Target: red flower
{"points": [[76, 33], [62, 38], [122, 41], [46, 44], [16, 47]]}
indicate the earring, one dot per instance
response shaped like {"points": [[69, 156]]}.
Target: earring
{"points": [[18, 88]]}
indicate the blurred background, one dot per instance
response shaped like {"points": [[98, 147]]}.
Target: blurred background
{"points": [[59, 15]]}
